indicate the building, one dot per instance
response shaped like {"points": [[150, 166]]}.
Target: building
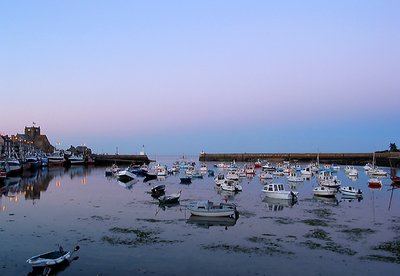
{"points": [[6, 145], [39, 141]]}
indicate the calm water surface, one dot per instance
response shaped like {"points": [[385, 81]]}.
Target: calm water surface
{"points": [[122, 230]]}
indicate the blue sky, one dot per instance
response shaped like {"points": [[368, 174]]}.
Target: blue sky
{"points": [[219, 76]]}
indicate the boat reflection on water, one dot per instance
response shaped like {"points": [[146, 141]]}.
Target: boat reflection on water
{"points": [[351, 198], [353, 178], [127, 185], [276, 204], [53, 270], [164, 206], [226, 195], [326, 200], [295, 185], [207, 222]]}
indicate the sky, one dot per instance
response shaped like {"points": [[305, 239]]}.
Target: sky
{"points": [[219, 76]]}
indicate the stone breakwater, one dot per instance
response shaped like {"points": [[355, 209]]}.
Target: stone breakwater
{"points": [[105, 159], [382, 158]]}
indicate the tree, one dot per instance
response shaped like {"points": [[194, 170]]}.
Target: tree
{"points": [[393, 147]]}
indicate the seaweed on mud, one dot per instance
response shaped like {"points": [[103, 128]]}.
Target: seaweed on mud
{"points": [[318, 234], [322, 213], [311, 245], [247, 214], [101, 218], [315, 222], [380, 258], [156, 221], [282, 220], [392, 247], [356, 234], [269, 235], [141, 237], [266, 250], [329, 246], [337, 248]]}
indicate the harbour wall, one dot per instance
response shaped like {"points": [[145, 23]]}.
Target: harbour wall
{"points": [[382, 158], [105, 159]]}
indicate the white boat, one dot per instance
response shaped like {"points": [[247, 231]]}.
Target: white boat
{"points": [[57, 158], [231, 185], [277, 190], [203, 168], [307, 171], [377, 172], [125, 176], [76, 159], [51, 258], [323, 191], [162, 171], [352, 172], [327, 179], [350, 191], [266, 175], [368, 167], [12, 166], [206, 208], [232, 174], [249, 170], [293, 177], [219, 179]]}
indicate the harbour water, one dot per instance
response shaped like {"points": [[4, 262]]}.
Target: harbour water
{"points": [[122, 230]]}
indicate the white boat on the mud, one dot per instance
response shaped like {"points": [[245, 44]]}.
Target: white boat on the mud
{"points": [[277, 190], [231, 185], [51, 258], [350, 191], [323, 191], [125, 176], [219, 179], [206, 208]]}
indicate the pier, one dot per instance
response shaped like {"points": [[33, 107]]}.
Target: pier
{"points": [[105, 159], [381, 158]]}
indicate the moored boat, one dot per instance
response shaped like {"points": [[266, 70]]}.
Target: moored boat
{"points": [[374, 183], [51, 258], [158, 190], [170, 199], [125, 176], [206, 208], [325, 192], [350, 191], [76, 159], [277, 190]]}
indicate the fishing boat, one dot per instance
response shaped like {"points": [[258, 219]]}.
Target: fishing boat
{"points": [[169, 199], [231, 185], [277, 190], [76, 159], [324, 191], [266, 175], [350, 191], [219, 179], [56, 159], [51, 258], [206, 208], [125, 176], [158, 190]]}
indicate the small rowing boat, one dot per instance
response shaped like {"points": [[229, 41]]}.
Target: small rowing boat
{"points": [[51, 258]]}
